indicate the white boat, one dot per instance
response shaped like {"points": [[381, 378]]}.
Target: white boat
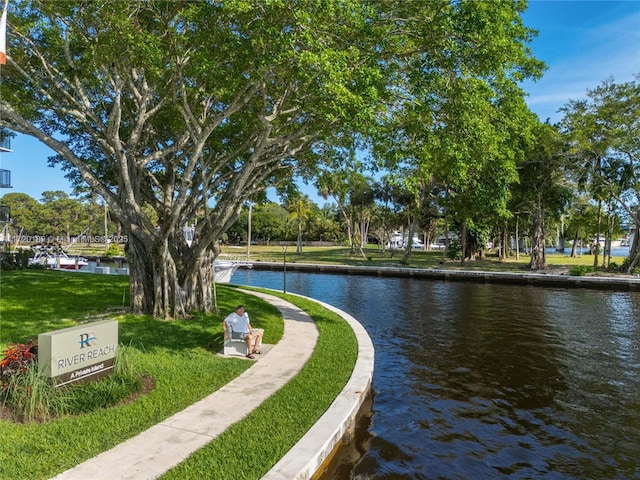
{"points": [[225, 266], [602, 241], [398, 241], [55, 257]]}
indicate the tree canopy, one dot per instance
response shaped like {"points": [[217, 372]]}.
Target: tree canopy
{"points": [[180, 112], [604, 136]]}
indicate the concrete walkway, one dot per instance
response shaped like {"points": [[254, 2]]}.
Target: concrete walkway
{"points": [[163, 446]]}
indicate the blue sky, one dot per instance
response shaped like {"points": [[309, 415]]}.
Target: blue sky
{"points": [[582, 42]]}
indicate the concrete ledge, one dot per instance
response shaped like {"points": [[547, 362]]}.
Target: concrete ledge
{"points": [[321, 442], [622, 283]]}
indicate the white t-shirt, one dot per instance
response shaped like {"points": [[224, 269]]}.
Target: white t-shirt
{"points": [[238, 323]]}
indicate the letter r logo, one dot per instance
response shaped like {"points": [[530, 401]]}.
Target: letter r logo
{"points": [[85, 339]]}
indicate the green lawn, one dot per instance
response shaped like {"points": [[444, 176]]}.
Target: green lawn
{"points": [[375, 257], [178, 355]]}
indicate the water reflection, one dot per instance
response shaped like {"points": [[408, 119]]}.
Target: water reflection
{"points": [[491, 381]]}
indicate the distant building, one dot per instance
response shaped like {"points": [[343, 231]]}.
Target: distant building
{"points": [[5, 177]]}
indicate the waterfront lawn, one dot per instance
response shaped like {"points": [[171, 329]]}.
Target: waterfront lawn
{"points": [[376, 257], [250, 448], [178, 355]]}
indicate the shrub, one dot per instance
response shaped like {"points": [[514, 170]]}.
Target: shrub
{"points": [[14, 261], [454, 252], [580, 270], [624, 268], [32, 396], [18, 357], [113, 250]]}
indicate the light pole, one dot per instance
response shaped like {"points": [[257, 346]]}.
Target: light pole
{"points": [[249, 232], [284, 270]]}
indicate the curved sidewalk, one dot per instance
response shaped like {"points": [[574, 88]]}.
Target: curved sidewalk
{"points": [[158, 449], [163, 446]]}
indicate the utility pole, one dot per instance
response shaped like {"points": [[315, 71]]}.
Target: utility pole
{"points": [[249, 232]]}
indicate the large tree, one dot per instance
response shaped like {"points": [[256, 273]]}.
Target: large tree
{"points": [[460, 119], [604, 132], [25, 213], [543, 190], [189, 108], [179, 112]]}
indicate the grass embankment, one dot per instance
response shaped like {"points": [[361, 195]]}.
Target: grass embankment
{"points": [[177, 356], [376, 257]]}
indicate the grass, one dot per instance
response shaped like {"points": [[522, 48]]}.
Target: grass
{"points": [[375, 257], [177, 356], [251, 447]]}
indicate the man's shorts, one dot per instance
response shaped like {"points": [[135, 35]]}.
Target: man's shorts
{"points": [[242, 336]]}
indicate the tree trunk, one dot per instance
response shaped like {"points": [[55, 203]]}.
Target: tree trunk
{"points": [[574, 247], [538, 258], [140, 277], [347, 222], [299, 240], [634, 248], [634, 254], [596, 252], [517, 237], [463, 243], [412, 228], [504, 239], [446, 239], [168, 284]]}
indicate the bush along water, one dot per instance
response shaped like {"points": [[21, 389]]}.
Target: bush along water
{"points": [[15, 261], [580, 270]]}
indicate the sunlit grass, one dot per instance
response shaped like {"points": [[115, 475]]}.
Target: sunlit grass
{"points": [[248, 449], [37, 301], [178, 355], [376, 257]]}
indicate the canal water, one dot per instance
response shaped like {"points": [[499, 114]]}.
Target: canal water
{"points": [[481, 381]]}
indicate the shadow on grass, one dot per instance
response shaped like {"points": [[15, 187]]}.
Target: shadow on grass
{"points": [[37, 301]]}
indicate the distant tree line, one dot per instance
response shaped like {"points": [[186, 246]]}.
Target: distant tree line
{"points": [[56, 216]]}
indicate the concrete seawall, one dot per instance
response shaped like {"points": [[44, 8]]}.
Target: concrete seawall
{"points": [[549, 278], [318, 446]]}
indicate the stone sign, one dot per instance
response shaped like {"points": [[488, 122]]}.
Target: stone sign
{"points": [[83, 353]]}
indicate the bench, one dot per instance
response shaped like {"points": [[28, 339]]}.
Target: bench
{"points": [[235, 346]]}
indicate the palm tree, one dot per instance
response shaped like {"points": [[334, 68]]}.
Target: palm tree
{"points": [[299, 209]]}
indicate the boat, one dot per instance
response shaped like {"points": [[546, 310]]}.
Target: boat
{"points": [[398, 241], [53, 256], [225, 266], [618, 242]]}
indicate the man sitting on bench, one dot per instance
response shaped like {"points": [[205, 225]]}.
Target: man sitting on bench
{"points": [[238, 323]]}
